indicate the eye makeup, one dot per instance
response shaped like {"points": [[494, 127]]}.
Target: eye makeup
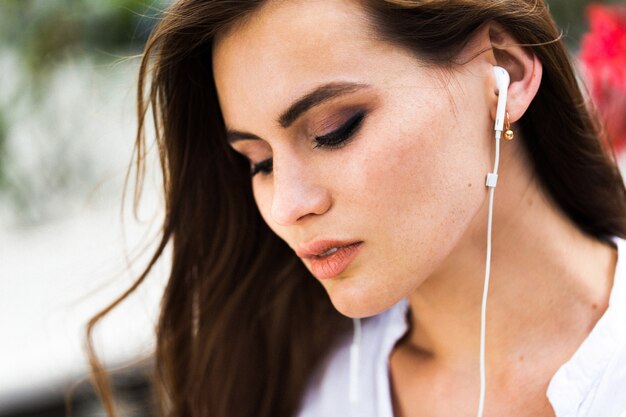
{"points": [[265, 167], [340, 136]]}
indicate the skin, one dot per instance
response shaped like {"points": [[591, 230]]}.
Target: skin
{"points": [[410, 184]]}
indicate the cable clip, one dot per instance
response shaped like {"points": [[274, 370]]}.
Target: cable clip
{"points": [[492, 180]]}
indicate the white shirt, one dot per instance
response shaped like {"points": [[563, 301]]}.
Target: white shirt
{"points": [[592, 383]]}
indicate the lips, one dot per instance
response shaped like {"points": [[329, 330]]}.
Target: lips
{"points": [[329, 258]]}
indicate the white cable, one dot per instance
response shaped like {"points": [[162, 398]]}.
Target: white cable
{"points": [[492, 179], [354, 362]]}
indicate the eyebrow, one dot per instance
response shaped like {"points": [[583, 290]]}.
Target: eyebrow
{"points": [[314, 98]]}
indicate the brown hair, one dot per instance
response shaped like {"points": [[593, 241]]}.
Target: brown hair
{"points": [[242, 323]]}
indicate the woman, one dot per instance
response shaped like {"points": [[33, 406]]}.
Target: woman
{"points": [[368, 130]]}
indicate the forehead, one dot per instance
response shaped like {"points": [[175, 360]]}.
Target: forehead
{"points": [[289, 47]]}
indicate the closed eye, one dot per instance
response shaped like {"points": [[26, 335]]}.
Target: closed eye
{"points": [[340, 137], [265, 167]]}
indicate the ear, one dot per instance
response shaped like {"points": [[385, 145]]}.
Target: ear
{"points": [[523, 66]]}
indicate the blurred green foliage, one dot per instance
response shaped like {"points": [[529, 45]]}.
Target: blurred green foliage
{"points": [[3, 152], [570, 17], [43, 35], [47, 31]]}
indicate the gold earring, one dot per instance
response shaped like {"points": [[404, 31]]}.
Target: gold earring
{"points": [[508, 133]]}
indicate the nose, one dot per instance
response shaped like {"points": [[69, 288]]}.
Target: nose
{"points": [[297, 193]]}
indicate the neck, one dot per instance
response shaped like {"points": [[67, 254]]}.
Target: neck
{"points": [[549, 283]]}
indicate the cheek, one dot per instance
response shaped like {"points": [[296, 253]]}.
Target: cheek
{"points": [[405, 168], [262, 193], [424, 188]]}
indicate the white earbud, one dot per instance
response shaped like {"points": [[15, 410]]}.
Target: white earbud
{"points": [[502, 83]]}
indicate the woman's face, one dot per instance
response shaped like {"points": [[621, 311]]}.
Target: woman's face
{"points": [[384, 151]]}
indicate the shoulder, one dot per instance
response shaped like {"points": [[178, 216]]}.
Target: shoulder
{"points": [[593, 381], [364, 373], [610, 392]]}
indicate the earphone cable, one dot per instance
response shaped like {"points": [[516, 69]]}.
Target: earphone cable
{"points": [[354, 362], [491, 182]]}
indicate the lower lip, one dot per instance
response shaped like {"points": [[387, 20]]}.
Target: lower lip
{"points": [[332, 265]]}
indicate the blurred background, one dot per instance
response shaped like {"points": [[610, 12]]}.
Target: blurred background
{"points": [[68, 245], [67, 119]]}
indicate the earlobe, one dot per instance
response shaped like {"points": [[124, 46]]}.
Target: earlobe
{"points": [[524, 68]]}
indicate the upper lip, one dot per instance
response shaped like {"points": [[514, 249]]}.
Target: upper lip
{"points": [[318, 246]]}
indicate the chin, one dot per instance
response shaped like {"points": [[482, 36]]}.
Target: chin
{"points": [[358, 302]]}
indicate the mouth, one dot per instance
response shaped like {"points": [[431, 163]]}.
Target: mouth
{"points": [[328, 262]]}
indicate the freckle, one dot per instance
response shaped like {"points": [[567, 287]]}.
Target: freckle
{"points": [[469, 185], [594, 306], [521, 358]]}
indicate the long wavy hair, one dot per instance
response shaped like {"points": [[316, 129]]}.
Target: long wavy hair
{"points": [[242, 323]]}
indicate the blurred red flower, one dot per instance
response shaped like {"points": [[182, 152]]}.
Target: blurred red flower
{"points": [[603, 56]]}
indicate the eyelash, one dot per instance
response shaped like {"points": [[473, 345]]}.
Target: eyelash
{"points": [[333, 140]]}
